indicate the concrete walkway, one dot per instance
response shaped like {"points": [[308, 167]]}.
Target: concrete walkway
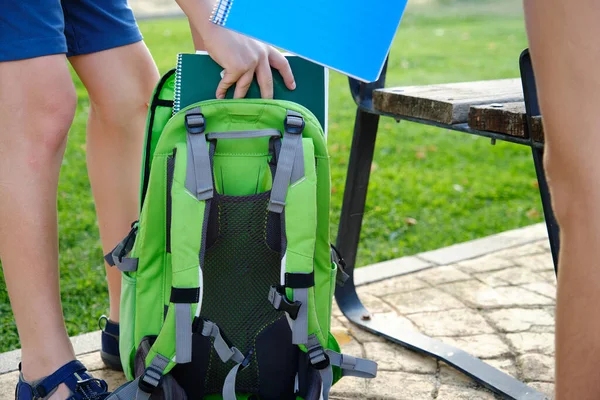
{"points": [[492, 297]]}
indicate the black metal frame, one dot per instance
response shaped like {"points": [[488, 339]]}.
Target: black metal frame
{"points": [[532, 109], [355, 196]]}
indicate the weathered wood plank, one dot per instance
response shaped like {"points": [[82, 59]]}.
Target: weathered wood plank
{"points": [[446, 103], [537, 129], [507, 118]]}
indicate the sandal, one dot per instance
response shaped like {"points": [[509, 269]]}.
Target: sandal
{"points": [[73, 375]]}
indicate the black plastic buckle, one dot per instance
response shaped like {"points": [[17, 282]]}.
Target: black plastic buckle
{"points": [[292, 309], [153, 374], [339, 259], [294, 124], [195, 123], [318, 358], [126, 244]]}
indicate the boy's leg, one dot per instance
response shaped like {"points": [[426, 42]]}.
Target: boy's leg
{"points": [[37, 104], [120, 82], [565, 48]]}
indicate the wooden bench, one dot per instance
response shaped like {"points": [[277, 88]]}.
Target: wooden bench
{"points": [[504, 109], [495, 106]]}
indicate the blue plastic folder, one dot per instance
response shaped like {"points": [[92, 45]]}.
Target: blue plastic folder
{"points": [[350, 36]]}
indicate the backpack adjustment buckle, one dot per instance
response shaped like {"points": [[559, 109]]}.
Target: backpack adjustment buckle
{"points": [[280, 302], [150, 380], [294, 123], [318, 357], [195, 123]]}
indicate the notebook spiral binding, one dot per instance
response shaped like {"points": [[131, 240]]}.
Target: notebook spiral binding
{"points": [[221, 12], [177, 94]]}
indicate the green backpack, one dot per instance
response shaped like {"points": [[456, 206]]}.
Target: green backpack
{"points": [[228, 276]]}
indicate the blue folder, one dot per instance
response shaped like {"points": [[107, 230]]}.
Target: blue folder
{"points": [[350, 36]]}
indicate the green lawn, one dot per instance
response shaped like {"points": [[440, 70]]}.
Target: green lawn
{"points": [[456, 187]]}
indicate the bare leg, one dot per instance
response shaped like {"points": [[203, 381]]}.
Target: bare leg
{"points": [[37, 100], [120, 83], [566, 55]]}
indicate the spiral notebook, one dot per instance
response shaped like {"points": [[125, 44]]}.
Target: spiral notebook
{"points": [[197, 76], [350, 36]]}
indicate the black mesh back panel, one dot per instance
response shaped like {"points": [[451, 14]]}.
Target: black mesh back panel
{"points": [[240, 265]]}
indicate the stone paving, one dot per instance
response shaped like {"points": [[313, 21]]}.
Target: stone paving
{"points": [[498, 307]]}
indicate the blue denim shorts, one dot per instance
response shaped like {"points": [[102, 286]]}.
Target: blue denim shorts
{"points": [[34, 28]]}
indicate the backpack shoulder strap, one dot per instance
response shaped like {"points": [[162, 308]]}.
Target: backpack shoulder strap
{"points": [[191, 193]]}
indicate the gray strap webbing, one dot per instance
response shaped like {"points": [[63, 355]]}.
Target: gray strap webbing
{"points": [[183, 333], [152, 375], [198, 179], [127, 392], [327, 378], [290, 163], [353, 366], [229, 385], [300, 324], [127, 264], [226, 353], [244, 134], [298, 168], [275, 298], [141, 395]]}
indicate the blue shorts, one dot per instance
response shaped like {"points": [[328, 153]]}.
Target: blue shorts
{"points": [[34, 28]]}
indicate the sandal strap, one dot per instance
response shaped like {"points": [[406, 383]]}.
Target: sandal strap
{"points": [[61, 375]]}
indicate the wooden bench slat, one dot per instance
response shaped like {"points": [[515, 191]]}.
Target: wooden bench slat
{"points": [[508, 118], [446, 103], [537, 129]]}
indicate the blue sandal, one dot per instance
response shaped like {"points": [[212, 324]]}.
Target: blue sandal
{"points": [[73, 375], [110, 343]]}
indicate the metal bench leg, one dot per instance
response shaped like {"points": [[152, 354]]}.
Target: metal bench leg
{"points": [[357, 182], [551, 224], [532, 110]]}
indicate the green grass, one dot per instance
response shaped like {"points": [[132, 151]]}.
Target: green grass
{"points": [[455, 186]]}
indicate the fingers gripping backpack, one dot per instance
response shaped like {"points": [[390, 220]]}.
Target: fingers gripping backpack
{"points": [[228, 276]]}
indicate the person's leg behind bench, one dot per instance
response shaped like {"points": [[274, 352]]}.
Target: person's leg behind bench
{"points": [[565, 48], [37, 104]]}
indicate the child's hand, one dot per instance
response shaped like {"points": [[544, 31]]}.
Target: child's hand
{"points": [[241, 58]]}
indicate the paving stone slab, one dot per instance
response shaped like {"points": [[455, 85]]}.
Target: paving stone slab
{"points": [[451, 377], [422, 300], [509, 276], [444, 274], [461, 393], [543, 288], [528, 342], [462, 322], [544, 387], [506, 365], [526, 250], [393, 357], [482, 346], [519, 319], [389, 269], [400, 386], [536, 262], [537, 367], [484, 264], [400, 284], [480, 295]]}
